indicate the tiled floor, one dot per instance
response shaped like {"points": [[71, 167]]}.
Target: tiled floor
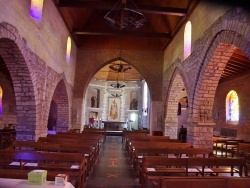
{"points": [[112, 169]]}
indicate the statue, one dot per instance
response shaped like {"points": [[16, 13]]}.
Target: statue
{"points": [[133, 104], [93, 102]]}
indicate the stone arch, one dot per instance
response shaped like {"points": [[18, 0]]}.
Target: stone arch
{"points": [[221, 49], [13, 53], [60, 98], [172, 100]]}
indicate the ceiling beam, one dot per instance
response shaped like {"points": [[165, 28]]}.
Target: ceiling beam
{"points": [[100, 5], [119, 33]]}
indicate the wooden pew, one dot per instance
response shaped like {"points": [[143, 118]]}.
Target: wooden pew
{"points": [[74, 141], [72, 164], [218, 166], [241, 149], [162, 145], [35, 146], [87, 150], [205, 182], [95, 131], [148, 139], [155, 167], [229, 147], [126, 134], [139, 153]]}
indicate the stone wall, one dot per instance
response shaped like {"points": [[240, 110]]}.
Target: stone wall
{"points": [[34, 83], [201, 71], [241, 86], [47, 39]]}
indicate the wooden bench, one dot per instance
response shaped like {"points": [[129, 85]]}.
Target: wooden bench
{"points": [[95, 131], [161, 145], [169, 152], [241, 149], [87, 150], [72, 164], [148, 139], [35, 146], [229, 147], [126, 134], [204, 182], [155, 167], [65, 141]]}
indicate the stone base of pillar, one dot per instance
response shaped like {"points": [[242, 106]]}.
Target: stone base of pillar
{"points": [[30, 135], [171, 130], [200, 135]]}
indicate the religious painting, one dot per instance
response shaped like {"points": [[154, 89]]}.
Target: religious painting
{"points": [[114, 109]]}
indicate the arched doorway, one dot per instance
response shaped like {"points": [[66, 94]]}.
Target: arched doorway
{"points": [[173, 108], [58, 118], [121, 83], [52, 121], [22, 87]]}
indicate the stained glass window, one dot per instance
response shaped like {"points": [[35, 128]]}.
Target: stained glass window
{"points": [[232, 106], [36, 9], [1, 104], [187, 39], [68, 50], [145, 99]]}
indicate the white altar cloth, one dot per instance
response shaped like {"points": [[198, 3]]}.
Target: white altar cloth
{"points": [[20, 183]]}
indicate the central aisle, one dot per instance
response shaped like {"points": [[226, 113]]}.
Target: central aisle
{"points": [[112, 169]]}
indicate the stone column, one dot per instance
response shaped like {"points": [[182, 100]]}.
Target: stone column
{"points": [[171, 129], [156, 116], [200, 134], [79, 114]]}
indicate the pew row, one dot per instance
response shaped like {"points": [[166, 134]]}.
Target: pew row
{"points": [[21, 162], [155, 167], [154, 145], [87, 150], [139, 153], [205, 182]]}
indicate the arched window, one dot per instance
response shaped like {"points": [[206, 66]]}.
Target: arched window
{"points": [[145, 99], [232, 106], [187, 39], [1, 101], [36, 9], [68, 50]]}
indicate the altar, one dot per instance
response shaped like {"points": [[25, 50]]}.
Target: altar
{"points": [[115, 125]]}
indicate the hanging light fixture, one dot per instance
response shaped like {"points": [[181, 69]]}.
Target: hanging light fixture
{"points": [[119, 67], [117, 84], [125, 15], [116, 95]]}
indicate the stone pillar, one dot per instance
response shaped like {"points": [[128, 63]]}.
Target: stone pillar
{"points": [[79, 118], [171, 129], [156, 116], [200, 134]]}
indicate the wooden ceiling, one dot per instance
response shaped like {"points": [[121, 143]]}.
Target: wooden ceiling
{"points": [[85, 21], [238, 65], [108, 74]]}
